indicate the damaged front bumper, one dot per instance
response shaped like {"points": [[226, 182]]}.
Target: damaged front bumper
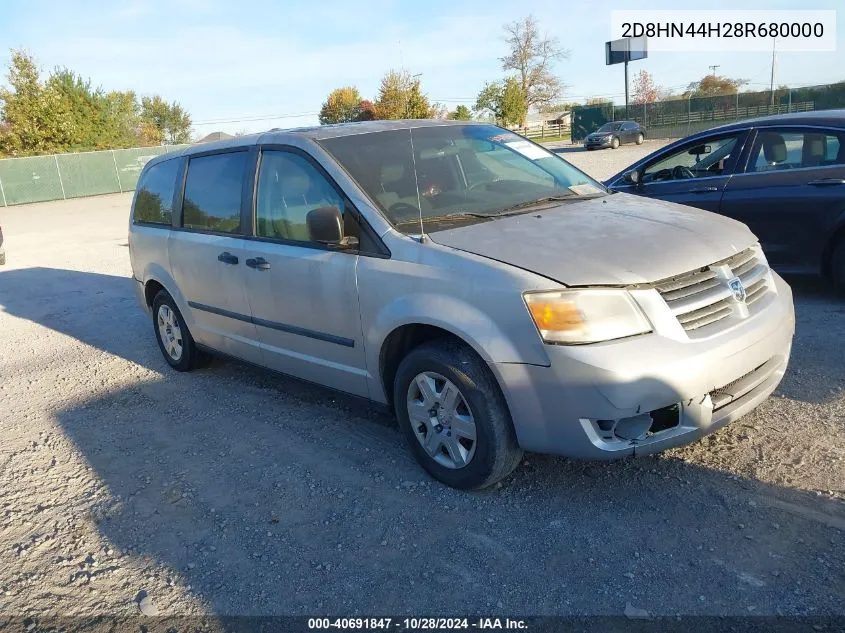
{"points": [[645, 394]]}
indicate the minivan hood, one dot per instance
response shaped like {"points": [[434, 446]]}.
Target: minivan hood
{"points": [[619, 239]]}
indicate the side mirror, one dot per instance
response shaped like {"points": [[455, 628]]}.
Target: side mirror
{"points": [[632, 177], [325, 225]]}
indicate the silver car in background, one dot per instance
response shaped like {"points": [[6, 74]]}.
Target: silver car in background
{"points": [[497, 298]]}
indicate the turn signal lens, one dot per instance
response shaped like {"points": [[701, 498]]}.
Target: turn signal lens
{"points": [[587, 315]]}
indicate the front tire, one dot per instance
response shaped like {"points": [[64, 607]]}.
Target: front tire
{"points": [[174, 340], [453, 415], [614, 142], [640, 139]]}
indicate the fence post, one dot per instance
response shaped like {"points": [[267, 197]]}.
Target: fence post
{"points": [[3, 194], [689, 111], [736, 109], [116, 172], [790, 100], [59, 172]]}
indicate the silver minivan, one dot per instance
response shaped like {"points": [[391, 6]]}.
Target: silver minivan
{"points": [[499, 299]]}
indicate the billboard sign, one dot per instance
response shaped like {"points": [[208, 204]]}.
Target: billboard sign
{"points": [[627, 49]]}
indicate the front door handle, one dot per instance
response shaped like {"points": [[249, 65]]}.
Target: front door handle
{"points": [[227, 258], [704, 190], [259, 263], [827, 182]]}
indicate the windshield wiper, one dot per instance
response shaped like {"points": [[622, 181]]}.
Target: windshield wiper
{"points": [[448, 216], [516, 208]]}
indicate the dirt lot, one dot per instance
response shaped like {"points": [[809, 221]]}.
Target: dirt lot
{"points": [[604, 163], [232, 491]]}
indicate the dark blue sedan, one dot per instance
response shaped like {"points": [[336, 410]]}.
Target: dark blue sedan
{"points": [[783, 176]]}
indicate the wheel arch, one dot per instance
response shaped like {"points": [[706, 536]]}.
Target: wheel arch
{"points": [[401, 341], [837, 237]]}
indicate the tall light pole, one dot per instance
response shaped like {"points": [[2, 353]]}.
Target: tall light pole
{"points": [[774, 59], [407, 92]]}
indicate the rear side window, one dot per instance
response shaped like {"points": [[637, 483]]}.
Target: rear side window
{"points": [[154, 202], [213, 192], [776, 150]]}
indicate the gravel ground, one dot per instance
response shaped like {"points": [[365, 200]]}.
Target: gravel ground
{"points": [[604, 163], [233, 491]]}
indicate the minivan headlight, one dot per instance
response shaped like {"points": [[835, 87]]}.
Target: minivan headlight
{"points": [[590, 315]]}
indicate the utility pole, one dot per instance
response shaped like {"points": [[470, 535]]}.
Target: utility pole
{"points": [[414, 78], [774, 61], [713, 68]]}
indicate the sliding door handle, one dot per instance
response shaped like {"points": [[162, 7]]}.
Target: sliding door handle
{"points": [[227, 258], [259, 263]]}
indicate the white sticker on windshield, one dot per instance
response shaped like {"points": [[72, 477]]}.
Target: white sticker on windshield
{"points": [[585, 189], [529, 150]]}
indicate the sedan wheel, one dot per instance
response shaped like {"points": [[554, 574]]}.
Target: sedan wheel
{"points": [[640, 139], [614, 143], [441, 420]]}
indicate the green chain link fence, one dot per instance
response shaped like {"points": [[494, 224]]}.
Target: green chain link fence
{"points": [[675, 118], [62, 176]]}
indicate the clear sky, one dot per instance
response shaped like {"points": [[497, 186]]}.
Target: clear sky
{"points": [[230, 62]]}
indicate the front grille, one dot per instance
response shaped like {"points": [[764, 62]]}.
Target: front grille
{"points": [[702, 297]]}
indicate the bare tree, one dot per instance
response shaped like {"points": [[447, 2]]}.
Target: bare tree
{"points": [[531, 56]]}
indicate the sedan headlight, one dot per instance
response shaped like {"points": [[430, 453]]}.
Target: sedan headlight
{"points": [[591, 315]]}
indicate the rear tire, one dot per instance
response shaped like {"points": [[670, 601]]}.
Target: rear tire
{"points": [[640, 139], [425, 383], [614, 143], [174, 340], [837, 267]]}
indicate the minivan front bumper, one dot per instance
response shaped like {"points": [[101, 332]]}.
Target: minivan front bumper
{"points": [[600, 401]]}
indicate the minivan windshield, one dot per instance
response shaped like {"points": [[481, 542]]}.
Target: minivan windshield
{"points": [[443, 176], [610, 127]]}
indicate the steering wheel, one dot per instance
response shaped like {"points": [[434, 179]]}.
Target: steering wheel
{"points": [[679, 172], [402, 208]]}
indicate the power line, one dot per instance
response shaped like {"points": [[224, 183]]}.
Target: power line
{"points": [[264, 117]]}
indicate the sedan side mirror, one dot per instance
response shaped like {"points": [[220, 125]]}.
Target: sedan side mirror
{"points": [[325, 225], [632, 177]]}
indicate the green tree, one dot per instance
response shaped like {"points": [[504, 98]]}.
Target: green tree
{"points": [[85, 105], [121, 120], [714, 86], [504, 100], [35, 118], [531, 56], [400, 97], [169, 121], [341, 106], [461, 113]]}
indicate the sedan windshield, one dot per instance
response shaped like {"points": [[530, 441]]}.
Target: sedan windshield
{"points": [[439, 177], [610, 127]]}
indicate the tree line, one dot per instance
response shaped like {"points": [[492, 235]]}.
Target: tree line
{"points": [[64, 112], [530, 82]]}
